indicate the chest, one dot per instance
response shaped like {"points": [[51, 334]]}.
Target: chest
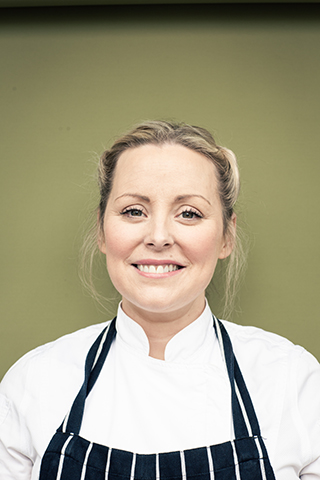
{"points": [[148, 406]]}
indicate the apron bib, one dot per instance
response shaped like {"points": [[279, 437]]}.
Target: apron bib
{"points": [[71, 457]]}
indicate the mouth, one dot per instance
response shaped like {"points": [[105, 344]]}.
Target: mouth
{"points": [[158, 269]]}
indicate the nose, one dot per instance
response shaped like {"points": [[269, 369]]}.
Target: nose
{"points": [[159, 234]]}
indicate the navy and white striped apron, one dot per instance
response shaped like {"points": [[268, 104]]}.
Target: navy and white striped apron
{"points": [[71, 457]]}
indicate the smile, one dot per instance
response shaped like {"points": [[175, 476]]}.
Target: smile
{"points": [[158, 268]]}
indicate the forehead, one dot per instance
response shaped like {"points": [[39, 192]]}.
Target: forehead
{"points": [[165, 167]]}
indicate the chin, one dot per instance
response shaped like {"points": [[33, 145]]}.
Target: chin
{"points": [[165, 305], [154, 306]]}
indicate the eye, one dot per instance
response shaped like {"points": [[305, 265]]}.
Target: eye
{"points": [[190, 214], [132, 212]]}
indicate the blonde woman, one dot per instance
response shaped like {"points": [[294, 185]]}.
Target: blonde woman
{"points": [[165, 390]]}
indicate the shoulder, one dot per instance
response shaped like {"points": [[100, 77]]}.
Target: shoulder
{"points": [[284, 383], [39, 389], [268, 355], [255, 338], [271, 357], [58, 358]]}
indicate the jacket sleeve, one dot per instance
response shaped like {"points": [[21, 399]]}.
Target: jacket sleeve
{"points": [[15, 442], [308, 405]]}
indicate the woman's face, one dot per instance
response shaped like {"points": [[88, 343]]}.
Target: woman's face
{"points": [[163, 230]]}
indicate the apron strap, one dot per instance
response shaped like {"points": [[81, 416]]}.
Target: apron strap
{"points": [[94, 363], [245, 421]]}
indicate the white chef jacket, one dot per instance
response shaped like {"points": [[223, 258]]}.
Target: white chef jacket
{"points": [[146, 405]]}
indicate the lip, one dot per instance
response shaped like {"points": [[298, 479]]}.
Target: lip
{"points": [[157, 263], [151, 261]]}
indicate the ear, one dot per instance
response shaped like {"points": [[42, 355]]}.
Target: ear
{"points": [[102, 243], [100, 236], [229, 238]]}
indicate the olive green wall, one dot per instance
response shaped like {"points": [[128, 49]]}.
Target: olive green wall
{"points": [[74, 78]]}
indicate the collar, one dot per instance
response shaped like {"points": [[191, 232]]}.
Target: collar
{"points": [[187, 346]]}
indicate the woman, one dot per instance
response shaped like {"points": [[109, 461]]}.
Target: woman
{"points": [[163, 395]]}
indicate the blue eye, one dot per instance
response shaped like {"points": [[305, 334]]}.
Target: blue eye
{"points": [[132, 212], [190, 214]]}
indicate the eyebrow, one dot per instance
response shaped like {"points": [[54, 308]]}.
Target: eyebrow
{"points": [[135, 195], [178, 199], [191, 195]]}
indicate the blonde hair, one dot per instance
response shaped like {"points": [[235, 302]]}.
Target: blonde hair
{"points": [[194, 138]]}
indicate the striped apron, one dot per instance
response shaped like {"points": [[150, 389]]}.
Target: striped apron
{"points": [[71, 457]]}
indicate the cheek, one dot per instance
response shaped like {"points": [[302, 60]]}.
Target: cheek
{"points": [[115, 243], [204, 247], [119, 241]]}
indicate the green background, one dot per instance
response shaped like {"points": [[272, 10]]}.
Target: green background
{"points": [[74, 78]]}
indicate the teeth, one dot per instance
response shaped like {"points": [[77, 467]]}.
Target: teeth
{"points": [[157, 268]]}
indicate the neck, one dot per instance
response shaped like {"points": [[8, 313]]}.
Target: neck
{"points": [[161, 327]]}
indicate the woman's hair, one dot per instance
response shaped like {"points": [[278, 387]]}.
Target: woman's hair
{"points": [[194, 138]]}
